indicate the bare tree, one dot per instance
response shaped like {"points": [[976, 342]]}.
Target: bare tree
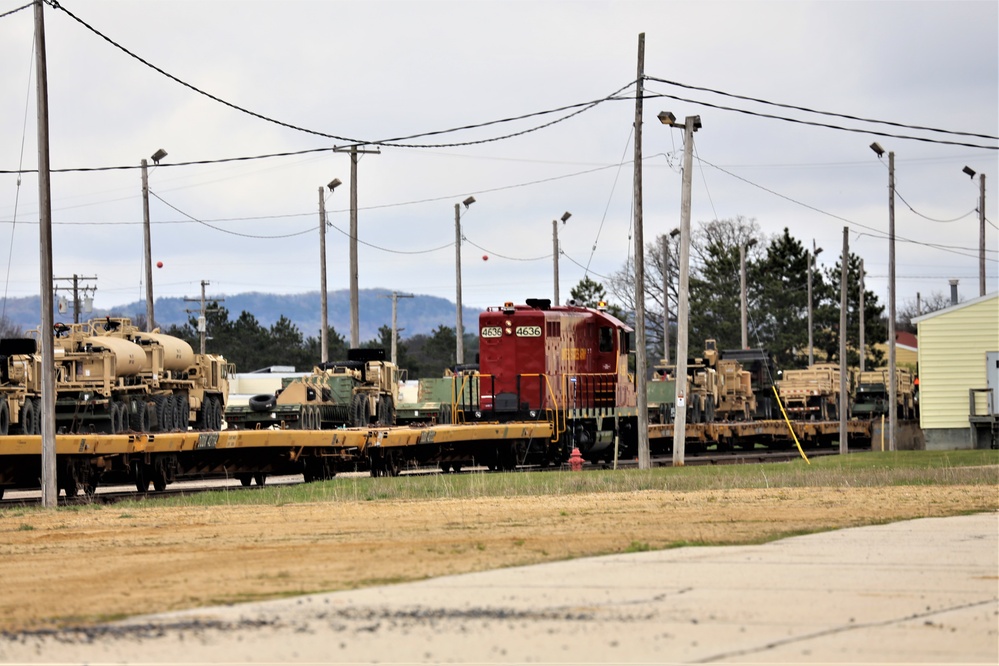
{"points": [[9, 329]]}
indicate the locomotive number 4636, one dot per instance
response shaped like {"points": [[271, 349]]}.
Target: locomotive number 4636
{"points": [[528, 331]]}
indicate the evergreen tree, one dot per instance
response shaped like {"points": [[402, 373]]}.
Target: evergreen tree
{"points": [[778, 284], [827, 316]]}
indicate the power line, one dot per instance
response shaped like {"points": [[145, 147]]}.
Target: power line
{"points": [[926, 217], [14, 11], [394, 142], [227, 231], [817, 124], [824, 113], [875, 232]]}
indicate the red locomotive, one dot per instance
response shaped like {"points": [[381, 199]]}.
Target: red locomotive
{"points": [[567, 364]]}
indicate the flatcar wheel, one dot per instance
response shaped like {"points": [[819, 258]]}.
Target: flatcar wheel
{"points": [[67, 479], [391, 466], [245, 478], [141, 476], [260, 478]]}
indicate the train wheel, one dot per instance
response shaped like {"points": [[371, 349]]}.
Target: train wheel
{"points": [[67, 478], [245, 478], [260, 478], [141, 477], [4, 418], [391, 465]]}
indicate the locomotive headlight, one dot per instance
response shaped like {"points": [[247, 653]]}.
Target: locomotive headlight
{"points": [[509, 323], [533, 414], [509, 331], [478, 415]]}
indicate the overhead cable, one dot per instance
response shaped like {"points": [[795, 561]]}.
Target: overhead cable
{"points": [[823, 113], [394, 142], [826, 125]]}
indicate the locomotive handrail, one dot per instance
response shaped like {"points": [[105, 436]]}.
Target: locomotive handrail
{"points": [[557, 428]]}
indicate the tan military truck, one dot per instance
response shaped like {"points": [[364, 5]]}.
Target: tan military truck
{"points": [[811, 394], [871, 394]]}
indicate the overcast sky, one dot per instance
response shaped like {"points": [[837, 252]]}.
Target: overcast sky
{"points": [[379, 70]]}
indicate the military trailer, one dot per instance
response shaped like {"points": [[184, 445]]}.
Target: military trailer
{"points": [[361, 391], [871, 394], [811, 394]]}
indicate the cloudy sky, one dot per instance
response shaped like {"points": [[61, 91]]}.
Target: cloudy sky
{"points": [[380, 70]]}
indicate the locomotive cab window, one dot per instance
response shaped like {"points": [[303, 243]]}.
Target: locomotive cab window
{"points": [[606, 339]]}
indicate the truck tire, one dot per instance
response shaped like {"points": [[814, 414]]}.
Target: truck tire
{"points": [[4, 418], [262, 402], [28, 417]]}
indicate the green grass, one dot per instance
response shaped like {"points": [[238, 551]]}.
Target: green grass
{"points": [[868, 469]]}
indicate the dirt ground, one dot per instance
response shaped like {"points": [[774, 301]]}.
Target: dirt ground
{"points": [[65, 567]]}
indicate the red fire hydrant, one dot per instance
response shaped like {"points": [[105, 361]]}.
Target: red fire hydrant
{"points": [[576, 460]]}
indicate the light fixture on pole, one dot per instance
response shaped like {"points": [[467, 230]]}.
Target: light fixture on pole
{"points": [[816, 251], [666, 280], [459, 330], [146, 236], [324, 324], [565, 216], [690, 125], [893, 381], [981, 228], [742, 291]]}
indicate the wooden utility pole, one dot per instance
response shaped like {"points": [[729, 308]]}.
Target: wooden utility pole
{"points": [[893, 381], [981, 235], [395, 296], [202, 311], [50, 491], [862, 343], [76, 289], [147, 247], [355, 340], [641, 389], [690, 125], [844, 396]]}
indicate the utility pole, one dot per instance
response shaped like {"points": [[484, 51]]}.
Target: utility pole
{"points": [[641, 389], [844, 397], [323, 290], [147, 246], [76, 289], [690, 125], [893, 381], [742, 291], [395, 296], [863, 343], [459, 328], [565, 216], [355, 336], [50, 491], [981, 235], [811, 269], [202, 322], [666, 281]]}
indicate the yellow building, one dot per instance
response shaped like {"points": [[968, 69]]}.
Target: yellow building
{"points": [[955, 345]]}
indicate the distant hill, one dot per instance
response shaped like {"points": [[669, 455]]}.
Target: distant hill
{"points": [[421, 314]]}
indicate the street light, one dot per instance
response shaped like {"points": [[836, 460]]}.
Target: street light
{"points": [[672, 234], [816, 251], [324, 324], [459, 331], [981, 228], [742, 291], [690, 125], [565, 216], [893, 382], [147, 241]]}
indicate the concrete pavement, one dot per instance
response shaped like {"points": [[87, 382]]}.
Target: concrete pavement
{"points": [[922, 591]]}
